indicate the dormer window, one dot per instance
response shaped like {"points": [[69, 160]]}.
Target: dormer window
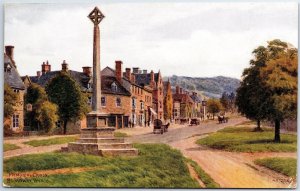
{"points": [[7, 68], [114, 87]]}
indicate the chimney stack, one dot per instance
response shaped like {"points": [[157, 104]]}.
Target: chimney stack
{"points": [[135, 70], [64, 66], [118, 70], [46, 67], [9, 51], [132, 78], [144, 71], [177, 89], [128, 74], [87, 70], [38, 73]]}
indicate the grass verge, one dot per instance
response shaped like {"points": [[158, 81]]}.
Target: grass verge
{"points": [[120, 134], [202, 175], [157, 166], [286, 166], [8, 147], [51, 141], [242, 139]]}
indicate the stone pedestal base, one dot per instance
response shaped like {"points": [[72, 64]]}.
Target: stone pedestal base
{"points": [[100, 141]]}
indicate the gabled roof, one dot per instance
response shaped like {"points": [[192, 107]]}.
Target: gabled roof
{"points": [[182, 98], [12, 77]]}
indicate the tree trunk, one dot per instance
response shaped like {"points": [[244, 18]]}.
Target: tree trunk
{"points": [[258, 124], [65, 126], [277, 131]]}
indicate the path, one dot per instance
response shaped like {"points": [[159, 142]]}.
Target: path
{"points": [[232, 170]]}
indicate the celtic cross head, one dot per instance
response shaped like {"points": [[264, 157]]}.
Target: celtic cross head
{"points": [[96, 16]]}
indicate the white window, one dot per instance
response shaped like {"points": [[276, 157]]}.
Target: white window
{"points": [[103, 101], [142, 105], [16, 121]]}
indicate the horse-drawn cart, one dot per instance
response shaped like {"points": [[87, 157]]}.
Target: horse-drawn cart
{"points": [[160, 128]]}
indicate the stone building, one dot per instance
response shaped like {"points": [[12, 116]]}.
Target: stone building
{"points": [[115, 97], [13, 79], [141, 96], [182, 105], [197, 107], [154, 81], [168, 100]]}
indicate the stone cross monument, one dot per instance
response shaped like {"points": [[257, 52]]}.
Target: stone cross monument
{"points": [[98, 138], [96, 118]]}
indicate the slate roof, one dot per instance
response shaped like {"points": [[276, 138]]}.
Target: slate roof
{"points": [[12, 77], [145, 79], [83, 80]]}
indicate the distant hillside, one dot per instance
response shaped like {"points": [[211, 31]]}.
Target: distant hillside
{"points": [[206, 87]]}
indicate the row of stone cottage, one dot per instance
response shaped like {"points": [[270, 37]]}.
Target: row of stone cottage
{"points": [[130, 97]]}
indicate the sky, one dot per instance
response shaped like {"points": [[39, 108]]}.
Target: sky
{"points": [[184, 39]]}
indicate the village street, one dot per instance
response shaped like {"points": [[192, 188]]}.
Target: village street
{"points": [[227, 168]]}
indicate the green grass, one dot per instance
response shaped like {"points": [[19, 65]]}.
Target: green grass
{"points": [[51, 141], [120, 134], [203, 176], [241, 139], [287, 166], [8, 147], [157, 165]]}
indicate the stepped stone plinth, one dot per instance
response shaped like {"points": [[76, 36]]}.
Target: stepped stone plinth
{"points": [[101, 142]]}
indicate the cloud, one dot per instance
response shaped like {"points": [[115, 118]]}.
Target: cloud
{"points": [[191, 39]]}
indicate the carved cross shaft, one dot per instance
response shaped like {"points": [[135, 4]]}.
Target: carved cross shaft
{"points": [[96, 16]]}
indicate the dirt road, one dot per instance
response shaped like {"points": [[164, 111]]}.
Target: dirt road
{"points": [[233, 170]]}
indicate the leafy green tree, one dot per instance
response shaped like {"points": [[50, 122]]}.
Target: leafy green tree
{"points": [[47, 116], [65, 92], [44, 113], [214, 106], [10, 99]]}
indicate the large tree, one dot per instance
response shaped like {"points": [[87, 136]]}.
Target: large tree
{"points": [[269, 86], [214, 106], [280, 75], [65, 92], [44, 113]]}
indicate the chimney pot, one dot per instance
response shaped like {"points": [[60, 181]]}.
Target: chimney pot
{"points": [[64, 66], [46, 67]]}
